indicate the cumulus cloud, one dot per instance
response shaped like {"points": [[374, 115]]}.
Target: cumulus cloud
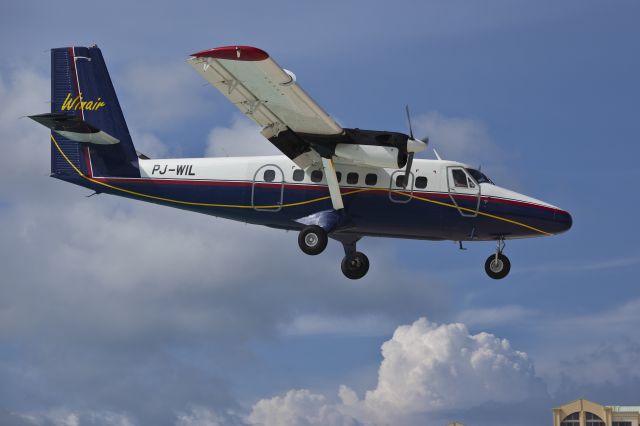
{"points": [[242, 138], [426, 368], [297, 407]]}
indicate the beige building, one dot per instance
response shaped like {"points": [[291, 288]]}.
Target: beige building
{"points": [[587, 413]]}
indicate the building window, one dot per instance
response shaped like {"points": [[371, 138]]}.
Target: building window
{"points": [[572, 419], [593, 420], [352, 178], [298, 175], [316, 176], [621, 424], [421, 182], [269, 175], [371, 179]]}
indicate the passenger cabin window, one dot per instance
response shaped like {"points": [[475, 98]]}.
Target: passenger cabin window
{"points": [[298, 175], [400, 180], [371, 179], [339, 176], [269, 175], [352, 178], [421, 182], [316, 176]]}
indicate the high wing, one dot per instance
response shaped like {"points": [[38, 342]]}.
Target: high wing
{"points": [[267, 94], [292, 121]]}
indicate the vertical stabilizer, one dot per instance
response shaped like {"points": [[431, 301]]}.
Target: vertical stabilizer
{"points": [[87, 121]]}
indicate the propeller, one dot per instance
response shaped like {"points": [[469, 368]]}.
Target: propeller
{"points": [[413, 145]]}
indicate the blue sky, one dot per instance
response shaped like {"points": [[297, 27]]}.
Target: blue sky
{"points": [[117, 313]]}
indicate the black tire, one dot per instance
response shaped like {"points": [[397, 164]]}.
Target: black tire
{"points": [[355, 265], [312, 240], [497, 270]]}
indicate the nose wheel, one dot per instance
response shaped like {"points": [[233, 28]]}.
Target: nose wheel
{"points": [[498, 265]]}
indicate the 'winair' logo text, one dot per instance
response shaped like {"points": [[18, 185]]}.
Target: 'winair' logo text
{"points": [[74, 104]]}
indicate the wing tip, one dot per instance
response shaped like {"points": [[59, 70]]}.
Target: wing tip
{"points": [[234, 53]]}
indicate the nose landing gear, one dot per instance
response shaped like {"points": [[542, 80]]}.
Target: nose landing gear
{"points": [[498, 265]]}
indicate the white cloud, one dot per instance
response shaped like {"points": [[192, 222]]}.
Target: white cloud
{"points": [[362, 325], [163, 95], [297, 407], [203, 416], [426, 368], [490, 317], [64, 417], [467, 140], [149, 144], [461, 139], [243, 138]]}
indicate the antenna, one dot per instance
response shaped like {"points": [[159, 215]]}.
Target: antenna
{"points": [[436, 153]]}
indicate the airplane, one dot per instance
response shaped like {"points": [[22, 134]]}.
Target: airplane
{"points": [[331, 181]]}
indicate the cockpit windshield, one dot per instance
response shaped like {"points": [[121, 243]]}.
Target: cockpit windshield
{"points": [[479, 176]]}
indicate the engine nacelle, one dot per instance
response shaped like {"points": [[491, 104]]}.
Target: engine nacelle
{"points": [[370, 155]]}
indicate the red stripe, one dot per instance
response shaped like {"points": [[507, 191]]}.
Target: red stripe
{"points": [[522, 203], [234, 53], [87, 159], [294, 186]]}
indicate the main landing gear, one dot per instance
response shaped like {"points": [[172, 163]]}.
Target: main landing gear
{"points": [[497, 265], [313, 240]]}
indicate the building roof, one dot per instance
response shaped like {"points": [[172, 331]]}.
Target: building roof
{"points": [[624, 408]]}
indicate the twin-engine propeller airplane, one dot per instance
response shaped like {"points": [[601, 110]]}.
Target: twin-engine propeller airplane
{"points": [[331, 182]]}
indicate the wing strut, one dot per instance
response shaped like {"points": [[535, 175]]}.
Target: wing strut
{"points": [[332, 183]]}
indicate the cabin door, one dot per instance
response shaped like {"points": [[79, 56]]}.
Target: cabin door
{"points": [[464, 191], [268, 188], [397, 192]]}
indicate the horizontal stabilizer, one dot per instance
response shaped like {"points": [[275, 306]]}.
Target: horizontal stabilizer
{"points": [[74, 128]]}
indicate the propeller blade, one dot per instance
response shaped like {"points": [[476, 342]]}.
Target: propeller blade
{"points": [[409, 120]]}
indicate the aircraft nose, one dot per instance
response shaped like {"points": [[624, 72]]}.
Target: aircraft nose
{"points": [[563, 221]]}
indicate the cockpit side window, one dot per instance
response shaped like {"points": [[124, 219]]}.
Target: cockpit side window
{"points": [[459, 178], [479, 176]]}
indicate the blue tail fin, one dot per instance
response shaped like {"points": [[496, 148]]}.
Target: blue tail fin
{"points": [[86, 119]]}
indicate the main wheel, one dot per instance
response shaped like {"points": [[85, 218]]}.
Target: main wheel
{"points": [[355, 265], [312, 240], [497, 269]]}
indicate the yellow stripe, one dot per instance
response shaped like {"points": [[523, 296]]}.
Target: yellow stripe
{"points": [[234, 206]]}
